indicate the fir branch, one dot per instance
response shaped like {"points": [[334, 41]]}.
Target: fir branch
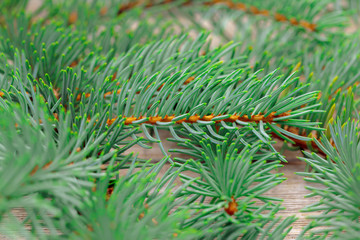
{"points": [[242, 6], [161, 93], [40, 176], [225, 186], [339, 176], [150, 216]]}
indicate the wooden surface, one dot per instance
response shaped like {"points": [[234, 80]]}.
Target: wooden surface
{"points": [[293, 191]]}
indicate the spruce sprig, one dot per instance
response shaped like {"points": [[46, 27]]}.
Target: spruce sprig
{"points": [[338, 175]]}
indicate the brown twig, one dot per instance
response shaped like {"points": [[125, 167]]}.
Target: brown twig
{"points": [[231, 209], [230, 4], [207, 118]]}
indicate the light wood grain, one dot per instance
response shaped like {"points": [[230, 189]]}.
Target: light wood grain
{"points": [[293, 191]]}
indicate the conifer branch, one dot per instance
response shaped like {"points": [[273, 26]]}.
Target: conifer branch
{"points": [[245, 7], [338, 174]]}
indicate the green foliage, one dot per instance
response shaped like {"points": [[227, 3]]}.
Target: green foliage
{"points": [[234, 169], [44, 177], [339, 175], [82, 82], [132, 211]]}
